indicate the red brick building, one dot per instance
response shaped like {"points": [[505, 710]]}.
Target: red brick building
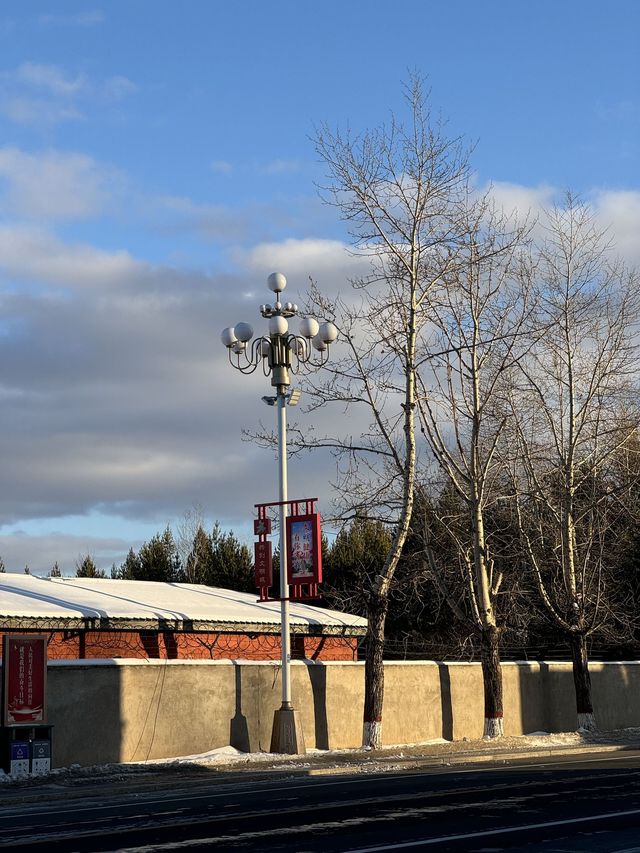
{"points": [[100, 618]]}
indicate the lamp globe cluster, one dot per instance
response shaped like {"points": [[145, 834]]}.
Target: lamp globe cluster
{"points": [[280, 350]]}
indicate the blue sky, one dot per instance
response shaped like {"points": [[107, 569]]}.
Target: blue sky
{"points": [[156, 166]]}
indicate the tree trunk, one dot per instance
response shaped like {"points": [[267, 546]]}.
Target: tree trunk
{"points": [[582, 682], [492, 677], [374, 675]]}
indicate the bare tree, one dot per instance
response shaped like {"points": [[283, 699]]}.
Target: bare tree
{"points": [[399, 187], [480, 312], [575, 407], [186, 530]]}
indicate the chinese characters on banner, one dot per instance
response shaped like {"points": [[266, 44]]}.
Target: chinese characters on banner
{"points": [[301, 538], [263, 564], [303, 549], [24, 664]]}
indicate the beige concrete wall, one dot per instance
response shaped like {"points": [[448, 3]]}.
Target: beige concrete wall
{"points": [[128, 710]]}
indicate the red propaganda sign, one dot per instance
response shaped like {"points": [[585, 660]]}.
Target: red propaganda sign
{"points": [[263, 564], [304, 558], [262, 526], [24, 665]]}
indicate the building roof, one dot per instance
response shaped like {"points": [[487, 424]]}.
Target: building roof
{"points": [[28, 602]]}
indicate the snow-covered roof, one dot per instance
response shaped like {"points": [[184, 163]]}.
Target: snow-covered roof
{"points": [[27, 601]]}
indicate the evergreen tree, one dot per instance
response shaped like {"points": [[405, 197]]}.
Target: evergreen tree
{"points": [[200, 559], [55, 571], [86, 568], [220, 559], [357, 555], [158, 559], [232, 565], [130, 569]]}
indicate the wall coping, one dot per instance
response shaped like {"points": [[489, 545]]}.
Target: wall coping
{"points": [[310, 663]]}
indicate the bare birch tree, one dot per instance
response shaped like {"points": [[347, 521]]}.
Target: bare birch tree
{"points": [[480, 312], [399, 187], [575, 407]]}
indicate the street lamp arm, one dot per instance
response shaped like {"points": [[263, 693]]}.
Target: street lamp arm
{"points": [[252, 358]]}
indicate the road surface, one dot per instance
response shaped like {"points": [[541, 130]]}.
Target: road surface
{"points": [[566, 803]]}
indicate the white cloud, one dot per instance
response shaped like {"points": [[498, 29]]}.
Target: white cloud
{"points": [[39, 94], [222, 167], [118, 87], [211, 221], [329, 262], [280, 167], [616, 210], [522, 200], [51, 78], [89, 18], [33, 254], [55, 185], [619, 211], [118, 396], [37, 112]]}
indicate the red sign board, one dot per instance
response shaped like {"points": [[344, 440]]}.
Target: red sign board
{"points": [[304, 559], [262, 526], [263, 564], [24, 665]]}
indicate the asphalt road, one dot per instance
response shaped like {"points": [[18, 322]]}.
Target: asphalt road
{"points": [[567, 803]]}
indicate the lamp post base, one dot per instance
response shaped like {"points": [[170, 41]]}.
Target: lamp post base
{"points": [[287, 737]]}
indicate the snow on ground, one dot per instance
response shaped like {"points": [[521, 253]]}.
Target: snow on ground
{"points": [[357, 759]]}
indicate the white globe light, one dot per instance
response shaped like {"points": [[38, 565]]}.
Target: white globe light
{"points": [[277, 282], [228, 336], [318, 343], [278, 325], [328, 333], [309, 327], [243, 332]]}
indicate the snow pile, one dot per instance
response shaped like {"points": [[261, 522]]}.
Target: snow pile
{"points": [[352, 760]]}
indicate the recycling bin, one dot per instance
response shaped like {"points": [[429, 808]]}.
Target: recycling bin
{"points": [[19, 754]]}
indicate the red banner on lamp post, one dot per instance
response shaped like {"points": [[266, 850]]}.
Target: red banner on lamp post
{"points": [[302, 545], [263, 564], [304, 551], [24, 665]]}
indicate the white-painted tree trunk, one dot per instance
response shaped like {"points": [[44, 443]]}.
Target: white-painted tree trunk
{"points": [[493, 728]]}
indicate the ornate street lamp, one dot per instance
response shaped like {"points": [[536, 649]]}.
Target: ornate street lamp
{"points": [[280, 353]]}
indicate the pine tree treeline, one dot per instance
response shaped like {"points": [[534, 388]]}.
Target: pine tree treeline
{"points": [[216, 559]]}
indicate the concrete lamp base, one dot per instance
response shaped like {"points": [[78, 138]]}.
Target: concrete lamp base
{"points": [[287, 737]]}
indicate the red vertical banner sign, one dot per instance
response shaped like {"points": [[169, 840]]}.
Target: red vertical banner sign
{"points": [[304, 549], [263, 562], [24, 665]]}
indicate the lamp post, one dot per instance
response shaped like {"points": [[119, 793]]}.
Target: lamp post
{"points": [[280, 353]]}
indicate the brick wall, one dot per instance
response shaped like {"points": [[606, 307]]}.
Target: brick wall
{"points": [[173, 645]]}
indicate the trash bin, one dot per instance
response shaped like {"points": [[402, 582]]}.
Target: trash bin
{"points": [[19, 758], [40, 757], [25, 749]]}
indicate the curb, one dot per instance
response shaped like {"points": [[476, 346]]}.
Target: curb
{"points": [[462, 758]]}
